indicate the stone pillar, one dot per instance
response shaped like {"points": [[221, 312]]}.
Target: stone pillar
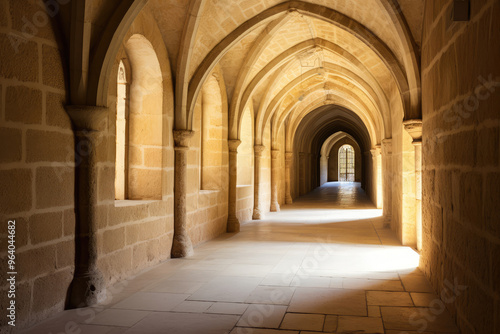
{"points": [[302, 173], [414, 128], [288, 179], [387, 180], [182, 246], [275, 163], [90, 123], [233, 224], [257, 210], [377, 176]]}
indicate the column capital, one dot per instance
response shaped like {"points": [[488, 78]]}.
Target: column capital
{"points": [[387, 146], [275, 153], [259, 150], [90, 118], [182, 137], [414, 128], [233, 145], [375, 151], [288, 156], [302, 155]]}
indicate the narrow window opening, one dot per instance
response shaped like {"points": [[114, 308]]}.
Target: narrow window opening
{"points": [[346, 164], [121, 135]]}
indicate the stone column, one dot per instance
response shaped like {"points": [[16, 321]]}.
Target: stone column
{"points": [[257, 211], [182, 246], [377, 182], [90, 123], [233, 224], [387, 180], [414, 128], [288, 179], [302, 173], [275, 154]]}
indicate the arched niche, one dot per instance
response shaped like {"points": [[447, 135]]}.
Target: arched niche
{"points": [[145, 121]]}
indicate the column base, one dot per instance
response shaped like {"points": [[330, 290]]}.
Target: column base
{"points": [[387, 221], [87, 289], [288, 200], [233, 225], [182, 247], [275, 207], [257, 215]]}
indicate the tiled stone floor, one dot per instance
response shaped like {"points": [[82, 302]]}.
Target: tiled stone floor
{"points": [[322, 265]]}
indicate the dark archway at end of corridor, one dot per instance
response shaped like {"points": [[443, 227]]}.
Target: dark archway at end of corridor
{"points": [[312, 133]]}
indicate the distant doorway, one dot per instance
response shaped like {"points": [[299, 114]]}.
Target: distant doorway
{"points": [[346, 164]]}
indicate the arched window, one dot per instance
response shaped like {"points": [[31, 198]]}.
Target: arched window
{"points": [[121, 134], [346, 164], [139, 123]]}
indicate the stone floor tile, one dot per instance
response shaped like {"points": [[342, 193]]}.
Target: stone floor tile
{"points": [[262, 316], [187, 287], [278, 279], [328, 301], [185, 323], [416, 283], [247, 330], [271, 295], [124, 318], [247, 270], [152, 301], [386, 298], [311, 282], [193, 275], [371, 284], [331, 323], [228, 308], [312, 322], [415, 318], [374, 311], [226, 289], [361, 324], [423, 299], [192, 307]]}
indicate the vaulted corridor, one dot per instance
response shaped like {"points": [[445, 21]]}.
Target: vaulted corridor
{"points": [[322, 264], [216, 166]]}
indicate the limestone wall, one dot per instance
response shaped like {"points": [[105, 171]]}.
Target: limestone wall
{"points": [[137, 232], [461, 174], [207, 209], [37, 160]]}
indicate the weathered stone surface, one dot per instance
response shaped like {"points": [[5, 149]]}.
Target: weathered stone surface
{"points": [[17, 195], [10, 145], [10, 67], [45, 227], [49, 146], [23, 105], [54, 187]]}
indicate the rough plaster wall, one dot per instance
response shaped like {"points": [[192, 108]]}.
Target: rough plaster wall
{"points": [[461, 174], [36, 164]]}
